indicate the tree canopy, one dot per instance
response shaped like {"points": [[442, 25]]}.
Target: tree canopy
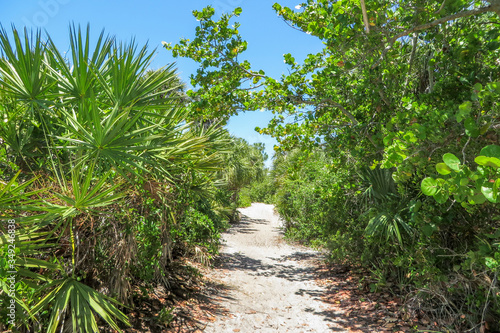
{"points": [[388, 137]]}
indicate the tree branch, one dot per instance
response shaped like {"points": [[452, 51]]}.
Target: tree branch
{"points": [[365, 16], [412, 57], [491, 8], [329, 102], [293, 27], [253, 87], [248, 72], [440, 8], [347, 113]]}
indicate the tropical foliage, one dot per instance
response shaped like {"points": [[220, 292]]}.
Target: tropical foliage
{"points": [[106, 179], [388, 155], [400, 105]]}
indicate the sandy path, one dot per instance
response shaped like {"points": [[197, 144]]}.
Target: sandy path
{"points": [[269, 283]]}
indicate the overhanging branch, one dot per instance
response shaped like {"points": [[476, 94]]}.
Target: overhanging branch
{"points": [[493, 7], [249, 72], [365, 16], [329, 102]]}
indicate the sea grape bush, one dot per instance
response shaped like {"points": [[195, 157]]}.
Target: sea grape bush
{"points": [[413, 90]]}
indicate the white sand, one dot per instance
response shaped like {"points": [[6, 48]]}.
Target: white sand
{"points": [[271, 286]]}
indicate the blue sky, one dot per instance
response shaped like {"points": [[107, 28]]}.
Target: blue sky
{"points": [[152, 22]]}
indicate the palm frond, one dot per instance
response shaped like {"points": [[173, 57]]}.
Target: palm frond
{"points": [[76, 79], [22, 72], [388, 225], [83, 302], [380, 184]]}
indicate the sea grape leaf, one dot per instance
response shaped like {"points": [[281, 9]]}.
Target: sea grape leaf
{"points": [[452, 161], [429, 186]]}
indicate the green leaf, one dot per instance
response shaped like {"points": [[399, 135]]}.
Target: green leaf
{"points": [[490, 194], [429, 186], [37, 263], [452, 161], [289, 60], [82, 301], [464, 181], [471, 128], [464, 110], [488, 161], [443, 169], [416, 206], [490, 262], [428, 229], [388, 139], [441, 196], [477, 199], [491, 151], [238, 11], [312, 27], [484, 128]]}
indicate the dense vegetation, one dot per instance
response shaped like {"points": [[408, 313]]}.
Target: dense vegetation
{"points": [[389, 141], [388, 155], [105, 181]]}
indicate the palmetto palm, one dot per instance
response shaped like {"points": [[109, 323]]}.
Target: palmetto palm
{"points": [[103, 123], [243, 164], [386, 208]]}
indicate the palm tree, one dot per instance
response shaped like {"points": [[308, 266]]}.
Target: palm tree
{"points": [[385, 206], [244, 163], [86, 129]]}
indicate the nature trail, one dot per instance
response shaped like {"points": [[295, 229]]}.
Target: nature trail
{"points": [[269, 285]]}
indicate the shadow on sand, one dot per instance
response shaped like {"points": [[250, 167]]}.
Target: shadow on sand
{"points": [[338, 320]]}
